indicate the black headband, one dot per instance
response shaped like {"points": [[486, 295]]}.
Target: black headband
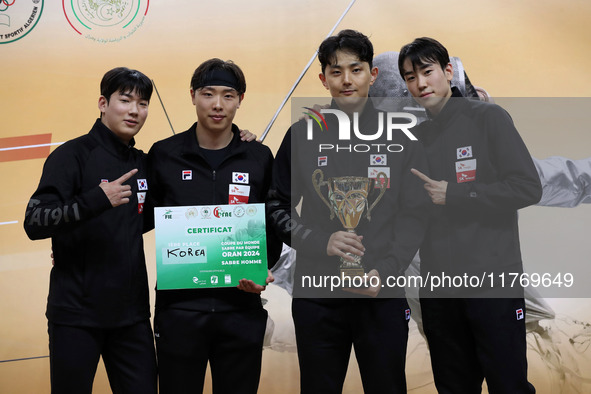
{"points": [[219, 77]]}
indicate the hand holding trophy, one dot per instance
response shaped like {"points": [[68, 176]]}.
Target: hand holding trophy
{"points": [[348, 199]]}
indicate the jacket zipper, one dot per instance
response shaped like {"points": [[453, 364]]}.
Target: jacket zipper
{"points": [[213, 188]]}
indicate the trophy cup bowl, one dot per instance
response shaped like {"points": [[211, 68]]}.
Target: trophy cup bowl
{"points": [[348, 199]]}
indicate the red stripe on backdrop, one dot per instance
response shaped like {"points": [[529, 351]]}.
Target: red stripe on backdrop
{"points": [[24, 153]]}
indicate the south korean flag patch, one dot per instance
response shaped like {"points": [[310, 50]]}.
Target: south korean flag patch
{"points": [[464, 152], [142, 184], [240, 177], [378, 160]]}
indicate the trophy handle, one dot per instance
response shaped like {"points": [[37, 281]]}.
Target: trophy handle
{"points": [[382, 178], [317, 181]]}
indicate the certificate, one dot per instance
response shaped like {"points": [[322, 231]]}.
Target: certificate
{"points": [[210, 246]]}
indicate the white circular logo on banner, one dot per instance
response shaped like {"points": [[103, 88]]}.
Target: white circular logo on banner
{"points": [[18, 18], [105, 21]]}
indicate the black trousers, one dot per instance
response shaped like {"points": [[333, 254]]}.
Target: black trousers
{"points": [[128, 354], [475, 339], [232, 342], [325, 332]]}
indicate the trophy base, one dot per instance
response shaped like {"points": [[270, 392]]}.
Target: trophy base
{"points": [[352, 272]]}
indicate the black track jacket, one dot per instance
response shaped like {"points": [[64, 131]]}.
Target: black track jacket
{"points": [[167, 160], [398, 221], [99, 278], [475, 147]]}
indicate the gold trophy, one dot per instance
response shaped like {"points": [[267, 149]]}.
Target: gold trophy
{"points": [[348, 199]]}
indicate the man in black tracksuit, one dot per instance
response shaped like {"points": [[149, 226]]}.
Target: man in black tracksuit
{"points": [[98, 300], [481, 174], [373, 319], [224, 326]]}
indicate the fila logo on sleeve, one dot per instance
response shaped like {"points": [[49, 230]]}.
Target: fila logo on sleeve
{"points": [[519, 313], [187, 175]]}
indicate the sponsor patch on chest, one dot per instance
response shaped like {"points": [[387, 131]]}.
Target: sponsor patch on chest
{"points": [[141, 199], [238, 194], [374, 173], [466, 170]]}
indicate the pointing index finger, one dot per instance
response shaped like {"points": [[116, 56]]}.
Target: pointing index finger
{"points": [[421, 176], [126, 176]]}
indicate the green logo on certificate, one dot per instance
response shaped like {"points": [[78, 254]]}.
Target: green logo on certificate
{"points": [[210, 246]]}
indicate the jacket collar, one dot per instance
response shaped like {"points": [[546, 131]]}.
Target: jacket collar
{"points": [[450, 108], [108, 139], [191, 144]]}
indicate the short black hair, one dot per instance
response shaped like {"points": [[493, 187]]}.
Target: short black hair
{"points": [[348, 40], [125, 80], [208, 68], [421, 51]]}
